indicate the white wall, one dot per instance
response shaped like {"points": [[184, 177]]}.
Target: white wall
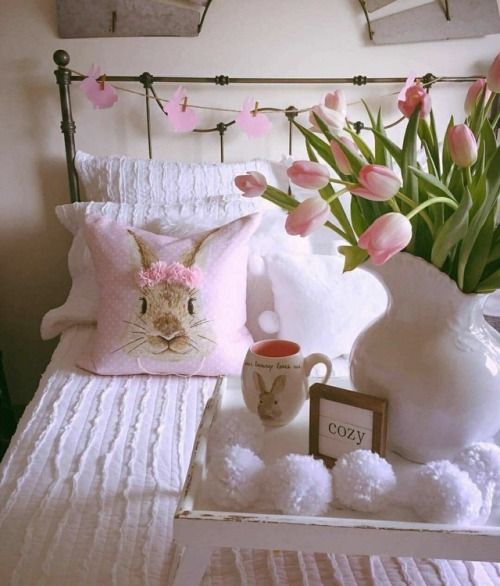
{"points": [[258, 38]]}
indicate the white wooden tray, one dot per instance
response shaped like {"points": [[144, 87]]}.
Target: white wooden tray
{"points": [[199, 527]]}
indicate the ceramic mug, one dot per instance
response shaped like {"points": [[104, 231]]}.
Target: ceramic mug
{"points": [[274, 379]]}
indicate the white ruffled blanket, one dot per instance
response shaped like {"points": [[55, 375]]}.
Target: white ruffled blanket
{"points": [[89, 486]]}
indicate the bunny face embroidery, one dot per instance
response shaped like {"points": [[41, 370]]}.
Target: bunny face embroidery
{"points": [[269, 408], [168, 323]]}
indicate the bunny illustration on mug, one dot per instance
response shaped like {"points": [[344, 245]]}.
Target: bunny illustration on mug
{"points": [[274, 379], [269, 398], [168, 323]]}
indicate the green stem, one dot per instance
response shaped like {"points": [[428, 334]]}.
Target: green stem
{"points": [[280, 198], [489, 103], [430, 202], [412, 204], [336, 195], [406, 199], [341, 182], [337, 230], [467, 176], [394, 205]]}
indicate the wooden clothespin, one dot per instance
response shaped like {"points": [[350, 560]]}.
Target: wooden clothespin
{"points": [[102, 81], [256, 109], [184, 104]]}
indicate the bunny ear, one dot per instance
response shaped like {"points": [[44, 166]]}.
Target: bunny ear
{"points": [[259, 383], [147, 256], [279, 384], [196, 255]]}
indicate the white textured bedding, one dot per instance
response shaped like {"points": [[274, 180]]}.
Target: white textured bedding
{"points": [[89, 486]]}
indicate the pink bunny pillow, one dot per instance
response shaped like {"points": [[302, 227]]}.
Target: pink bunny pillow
{"points": [[167, 305]]}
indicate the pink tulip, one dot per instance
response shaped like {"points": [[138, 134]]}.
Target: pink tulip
{"points": [[337, 101], [388, 235], [377, 183], [332, 118], [307, 216], [473, 94], [415, 95], [252, 184], [340, 157], [462, 145], [493, 79], [309, 174]]}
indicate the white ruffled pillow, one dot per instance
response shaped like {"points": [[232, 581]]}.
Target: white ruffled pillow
{"points": [[320, 307], [150, 181]]}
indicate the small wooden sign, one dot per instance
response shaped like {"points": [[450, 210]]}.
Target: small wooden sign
{"points": [[341, 421]]}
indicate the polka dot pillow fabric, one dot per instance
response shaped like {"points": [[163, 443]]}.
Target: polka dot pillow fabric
{"points": [[169, 305]]}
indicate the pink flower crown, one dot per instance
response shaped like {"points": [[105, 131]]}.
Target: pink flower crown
{"points": [[175, 272]]}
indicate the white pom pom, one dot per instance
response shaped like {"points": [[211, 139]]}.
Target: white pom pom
{"points": [[269, 322], [236, 427], [256, 265], [442, 493], [234, 478], [298, 485], [363, 481], [482, 463]]}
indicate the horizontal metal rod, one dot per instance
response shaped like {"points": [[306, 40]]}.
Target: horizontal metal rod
{"points": [[282, 80]]}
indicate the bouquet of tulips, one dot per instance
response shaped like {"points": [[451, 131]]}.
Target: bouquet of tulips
{"points": [[442, 209]]}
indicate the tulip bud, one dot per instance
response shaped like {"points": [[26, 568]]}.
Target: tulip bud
{"points": [[332, 118], [493, 79], [415, 95], [377, 183], [309, 174], [307, 216], [473, 94], [462, 145], [252, 184], [340, 157], [337, 101], [386, 236]]}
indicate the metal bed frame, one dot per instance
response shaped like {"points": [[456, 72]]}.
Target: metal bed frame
{"points": [[64, 77]]}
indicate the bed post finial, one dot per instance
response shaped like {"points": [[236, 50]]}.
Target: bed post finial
{"points": [[68, 126], [61, 58]]}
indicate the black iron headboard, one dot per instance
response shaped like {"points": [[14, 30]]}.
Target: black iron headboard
{"points": [[65, 75]]}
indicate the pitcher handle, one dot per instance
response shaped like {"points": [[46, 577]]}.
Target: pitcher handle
{"points": [[312, 360]]}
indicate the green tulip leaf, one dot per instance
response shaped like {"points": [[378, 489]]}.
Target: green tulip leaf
{"points": [[362, 146], [409, 159], [447, 161], [479, 255], [431, 149], [354, 256], [432, 184], [323, 127], [451, 232], [320, 146], [393, 149], [490, 284], [381, 157], [355, 161], [359, 222], [481, 216]]}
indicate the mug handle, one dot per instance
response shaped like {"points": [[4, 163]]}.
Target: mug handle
{"points": [[317, 358]]}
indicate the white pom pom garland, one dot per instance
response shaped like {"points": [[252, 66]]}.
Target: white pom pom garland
{"points": [[482, 462], [234, 478], [442, 493], [363, 481], [298, 485], [237, 427]]}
